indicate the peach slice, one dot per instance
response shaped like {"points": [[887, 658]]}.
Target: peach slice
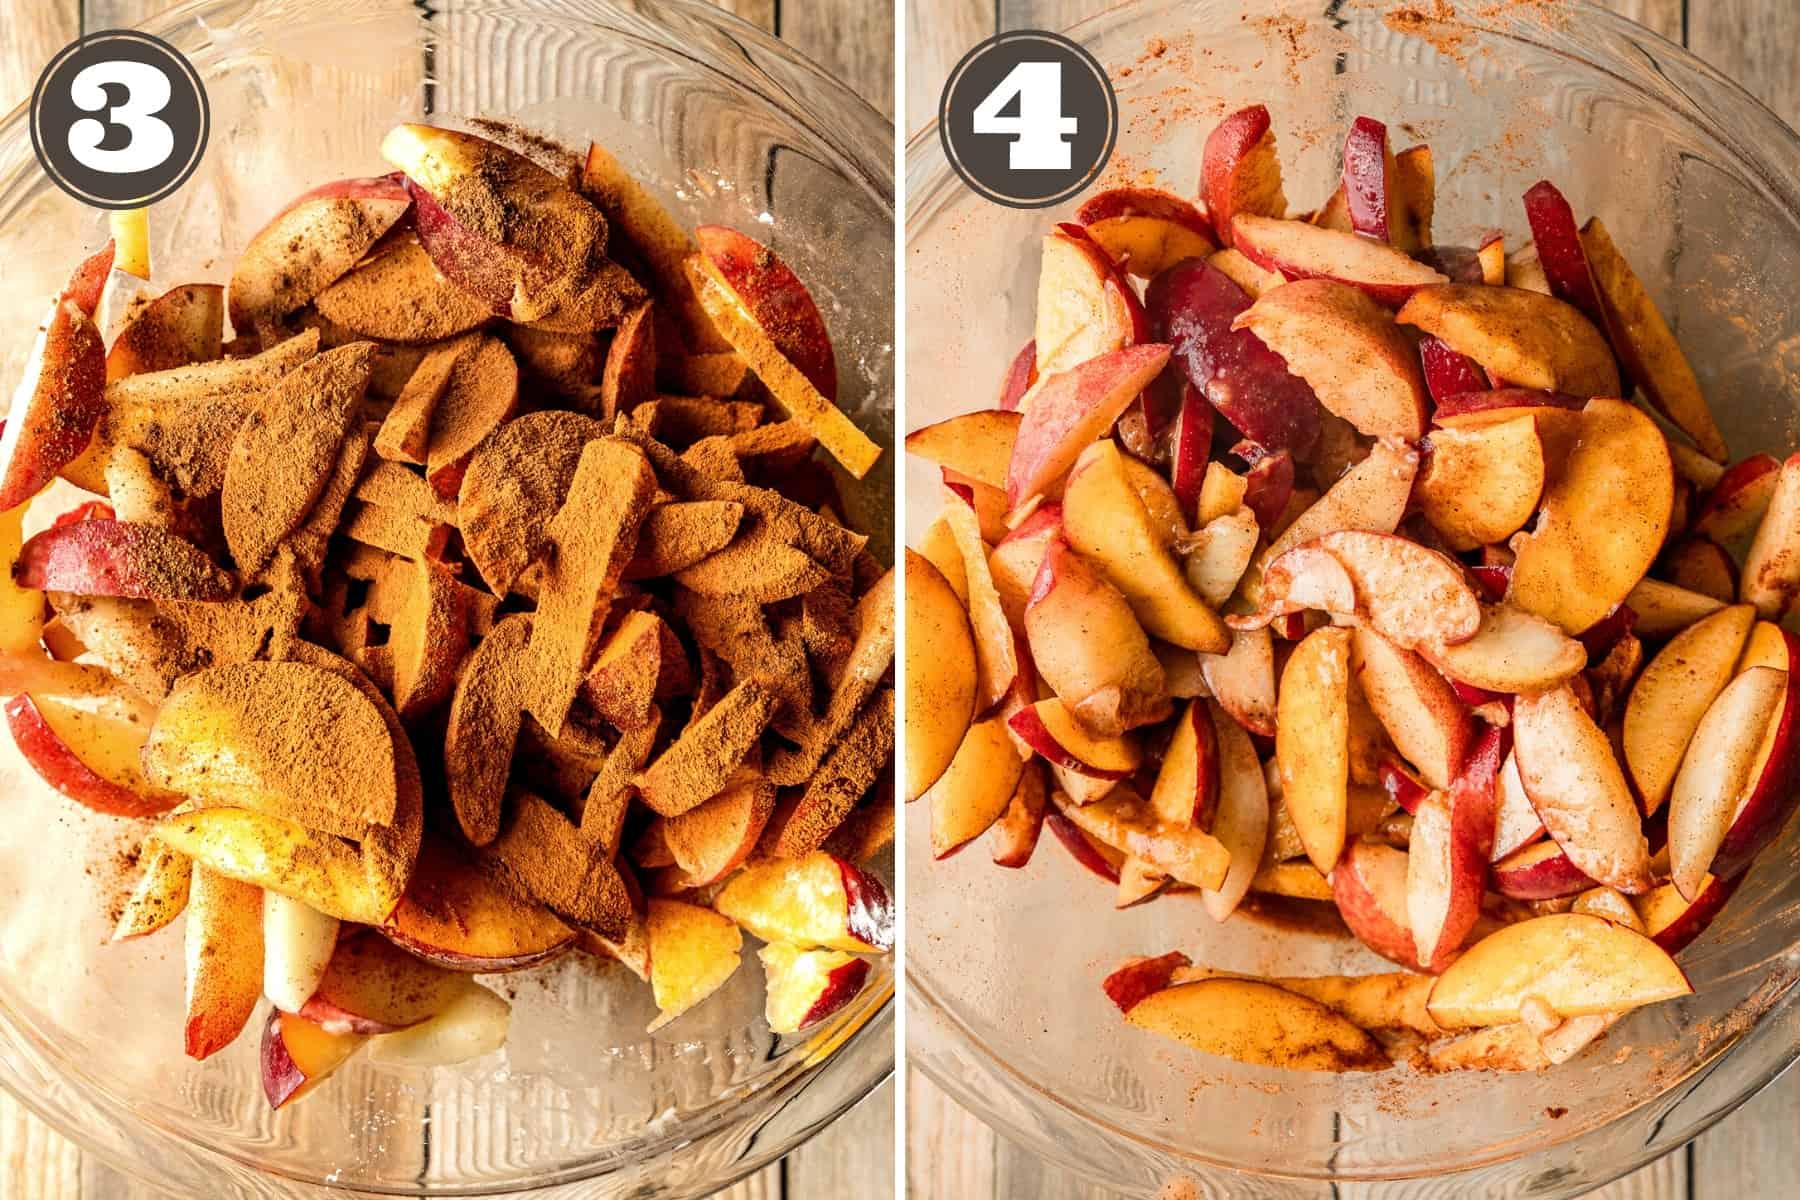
{"points": [[978, 444], [1575, 964], [1736, 501], [1429, 725], [940, 674], [161, 893], [1089, 648], [310, 244], [1664, 610], [1146, 246], [22, 609], [693, 951], [776, 299], [1239, 170], [1070, 411], [1511, 652], [713, 839], [1672, 695], [1371, 188], [118, 558], [1219, 553], [455, 915], [1447, 853], [183, 325], [1188, 781], [1604, 521], [1480, 486], [1371, 497], [472, 1024], [974, 790], [1540, 871], [90, 753], [807, 986], [1306, 577], [1717, 771], [1104, 518], [1530, 340], [1050, 730], [58, 401], [1193, 307], [1085, 307], [1448, 374], [1560, 250], [1673, 921], [88, 281], [1241, 819], [1017, 831], [1090, 853], [792, 390], [297, 1056], [224, 960], [1260, 1024], [996, 657], [1702, 566], [1302, 251], [298, 942], [400, 296], [1415, 178], [1771, 796], [1137, 978], [1393, 1000], [1579, 790], [1411, 595], [1369, 888], [1243, 680], [372, 986], [1771, 578], [1312, 742], [1129, 825], [1021, 374], [814, 902], [1651, 354], [1117, 202], [1356, 360]]}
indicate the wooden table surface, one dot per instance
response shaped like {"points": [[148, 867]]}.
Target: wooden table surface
{"points": [[852, 1160], [1754, 1154]]}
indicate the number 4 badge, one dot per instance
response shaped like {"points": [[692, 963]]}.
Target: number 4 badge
{"points": [[1038, 127]]}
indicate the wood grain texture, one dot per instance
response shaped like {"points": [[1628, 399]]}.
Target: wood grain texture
{"points": [[855, 1157], [1754, 1153]]}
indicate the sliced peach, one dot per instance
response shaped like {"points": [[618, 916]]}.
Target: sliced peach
{"points": [[298, 945], [1088, 646], [1664, 610], [1540, 871], [1258, 1023], [224, 960], [1736, 501], [1052, 731], [807, 986], [183, 325], [778, 301], [1241, 820], [1131, 826], [1703, 566], [59, 400], [940, 674], [1369, 888], [996, 657], [1372, 497], [1239, 171], [1579, 790], [161, 893], [1429, 725], [1312, 734], [373, 986], [455, 915], [1447, 853], [693, 951], [817, 901], [1146, 246], [1104, 518], [1647, 345], [1371, 188], [974, 790], [1141, 977], [1085, 306], [977, 444], [1771, 578], [1117, 202], [310, 244], [472, 1024], [1560, 250], [1070, 410], [90, 752], [1302, 251], [1672, 695], [1530, 340], [1604, 521], [1716, 772], [1480, 486], [1021, 373], [1243, 680], [297, 1055], [117, 558], [1356, 360], [1575, 964], [1017, 831], [1511, 652], [1672, 921]]}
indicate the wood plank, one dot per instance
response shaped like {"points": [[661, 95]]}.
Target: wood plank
{"points": [[854, 1157], [853, 42], [1660, 16], [35, 30], [760, 13], [1054, 15], [950, 1155], [1752, 41], [938, 34]]}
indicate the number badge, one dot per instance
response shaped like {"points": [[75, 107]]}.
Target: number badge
{"points": [[119, 119], [1028, 119]]}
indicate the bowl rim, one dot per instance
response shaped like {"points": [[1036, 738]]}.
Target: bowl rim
{"points": [[1755, 148], [846, 126]]}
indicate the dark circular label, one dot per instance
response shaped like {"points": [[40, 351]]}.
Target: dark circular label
{"points": [[119, 119], [1028, 118]]}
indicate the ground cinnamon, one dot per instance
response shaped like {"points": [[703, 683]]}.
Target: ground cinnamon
{"points": [[569, 363], [402, 297], [629, 378], [776, 447], [484, 727], [622, 685], [395, 531], [609, 798], [393, 486], [514, 486], [311, 542], [406, 430], [680, 534], [541, 855], [841, 780], [700, 762], [482, 392], [720, 374], [683, 420]]}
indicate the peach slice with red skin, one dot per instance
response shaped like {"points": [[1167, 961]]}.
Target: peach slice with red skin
{"points": [[1673, 921], [1573, 963], [818, 901], [297, 1055], [89, 753], [1085, 306], [1260, 1024], [1528, 339], [1070, 410], [1421, 712], [807, 986], [1017, 831], [183, 325], [1558, 241], [1140, 977], [1117, 202], [455, 915], [1129, 825], [224, 955], [58, 401], [1672, 694], [1243, 680], [975, 789], [1511, 652], [88, 280], [1240, 820], [1188, 781], [372, 986], [1312, 736], [1088, 646], [118, 558], [777, 300], [1447, 855], [1021, 373], [1448, 374], [1239, 171], [1411, 595], [1302, 251], [1356, 360], [1146, 246], [1539, 871], [333, 226], [1369, 888], [1193, 307], [1052, 731], [1771, 577], [1741, 748], [1371, 187], [1579, 790], [1736, 502], [1091, 854]]}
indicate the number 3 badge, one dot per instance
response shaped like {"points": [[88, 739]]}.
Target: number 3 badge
{"points": [[1028, 119], [119, 119]]}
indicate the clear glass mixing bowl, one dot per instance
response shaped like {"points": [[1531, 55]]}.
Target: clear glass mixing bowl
{"points": [[727, 126], [1701, 186]]}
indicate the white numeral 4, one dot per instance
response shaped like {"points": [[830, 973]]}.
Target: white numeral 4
{"points": [[1040, 129]]}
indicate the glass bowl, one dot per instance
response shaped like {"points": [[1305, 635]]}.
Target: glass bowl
{"points": [[727, 126], [1701, 186]]}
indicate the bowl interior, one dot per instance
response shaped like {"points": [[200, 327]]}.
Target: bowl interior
{"points": [[1006, 965], [301, 93]]}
